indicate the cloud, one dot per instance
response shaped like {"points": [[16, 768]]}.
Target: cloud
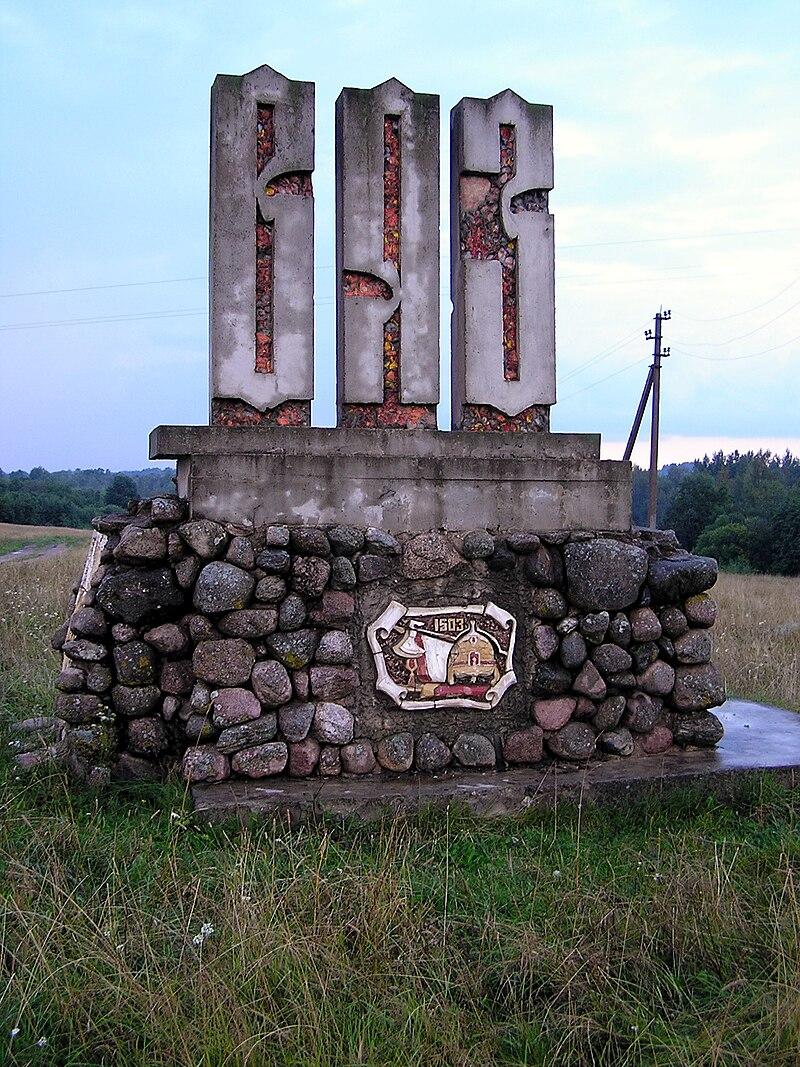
{"points": [[682, 449]]}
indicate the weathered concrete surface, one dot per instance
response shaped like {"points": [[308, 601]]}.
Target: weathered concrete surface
{"points": [[360, 242], [398, 480], [236, 188], [757, 739], [477, 338]]}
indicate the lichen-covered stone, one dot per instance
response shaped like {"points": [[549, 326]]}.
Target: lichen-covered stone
{"points": [[333, 723], [141, 546], [575, 741], [553, 714], [221, 587], [544, 567], [693, 647], [177, 677], [343, 574], [609, 714], [135, 663], [226, 662], [205, 538], [270, 590], [548, 604], [295, 720], [166, 509], [309, 541], [71, 680], [262, 761], [603, 574], [271, 683], [381, 542], [310, 575], [396, 753], [619, 630], [641, 712], [573, 650], [697, 688], [658, 679], [121, 632], [643, 655], [186, 571], [477, 544], [276, 536], [248, 734], [673, 622], [205, 763], [232, 706], [502, 559], [474, 750], [303, 757], [358, 757], [645, 625], [99, 678], [135, 701], [335, 648], [346, 540], [594, 626], [679, 577], [432, 753], [148, 737], [523, 746], [610, 658], [88, 622], [84, 650], [700, 610], [251, 623], [139, 594], [335, 611], [330, 762], [429, 555], [293, 650], [167, 638], [198, 728], [699, 728], [292, 613], [589, 682], [241, 553], [372, 567], [332, 683], [658, 740], [617, 742], [550, 678], [523, 543], [545, 641], [274, 560]]}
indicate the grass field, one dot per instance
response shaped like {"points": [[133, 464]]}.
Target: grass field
{"points": [[663, 932], [13, 536]]}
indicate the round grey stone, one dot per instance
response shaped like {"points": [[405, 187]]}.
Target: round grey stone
{"points": [[396, 753], [477, 544], [617, 742], [309, 541], [642, 712], [474, 750], [88, 622], [295, 720], [271, 589], [575, 741], [204, 537], [693, 647], [346, 539], [222, 587], [604, 574], [336, 647], [358, 757], [698, 688], [310, 575], [274, 560], [432, 753], [248, 734], [333, 723], [573, 650], [343, 575], [262, 761], [381, 543], [292, 613], [271, 683], [680, 577], [609, 714], [226, 662], [135, 663], [294, 650], [594, 627], [610, 658]]}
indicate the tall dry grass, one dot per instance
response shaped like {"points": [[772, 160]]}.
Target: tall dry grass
{"points": [[663, 932], [757, 637]]}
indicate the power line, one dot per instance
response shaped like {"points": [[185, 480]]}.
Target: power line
{"points": [[735, 359], [683, 237], [112, 285], [606, 352], [741, 336], [147, 315], [608, 377], [747, 311]]}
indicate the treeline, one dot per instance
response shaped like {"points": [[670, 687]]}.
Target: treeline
{"points": [[73, 498], [742, 508]]}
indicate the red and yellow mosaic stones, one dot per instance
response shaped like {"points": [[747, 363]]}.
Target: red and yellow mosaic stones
{"points": [[535, 419], [392, 412], [238, 413]]}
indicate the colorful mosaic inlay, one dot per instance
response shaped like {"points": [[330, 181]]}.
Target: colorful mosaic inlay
{"points": [[291, 184], [535, 419], [391, 412], [239, 413]]}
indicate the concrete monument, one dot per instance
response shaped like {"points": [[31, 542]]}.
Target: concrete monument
{"points": [[501, 239], [381, 597], [387, 257], [262, 250]]}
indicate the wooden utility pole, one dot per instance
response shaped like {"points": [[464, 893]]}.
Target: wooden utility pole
{"points": [[652, 385]]}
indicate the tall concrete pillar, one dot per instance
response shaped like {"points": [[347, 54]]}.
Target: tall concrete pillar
{"points": [[387, 257], [262, 250], [503, 324]]}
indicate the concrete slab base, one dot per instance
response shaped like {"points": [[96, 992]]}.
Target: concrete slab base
{"points": [[757, 738]]}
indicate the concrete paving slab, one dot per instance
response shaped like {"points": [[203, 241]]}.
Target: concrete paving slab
{"points": [[757, 738]]}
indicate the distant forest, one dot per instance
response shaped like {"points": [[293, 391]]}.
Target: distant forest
{"points": [[744, 509], [73, 498]]}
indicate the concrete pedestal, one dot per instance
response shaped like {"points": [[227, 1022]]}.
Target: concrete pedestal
{"points": [[397, 480]]}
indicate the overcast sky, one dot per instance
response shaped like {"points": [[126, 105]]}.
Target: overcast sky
{"points": [[677, 139]]}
